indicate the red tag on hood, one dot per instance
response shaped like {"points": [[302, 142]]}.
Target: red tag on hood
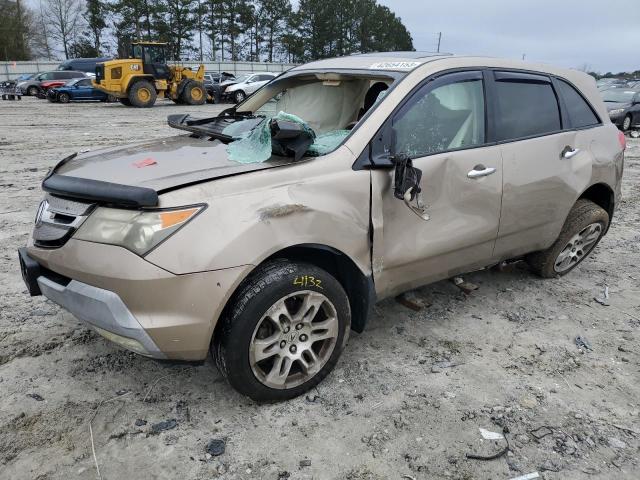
{"points": [[147, 162]]}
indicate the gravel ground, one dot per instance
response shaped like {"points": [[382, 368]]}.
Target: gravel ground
{"points": [[406, 400]]}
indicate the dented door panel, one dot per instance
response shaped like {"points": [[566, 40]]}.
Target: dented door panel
{"points": [[461, 232]]}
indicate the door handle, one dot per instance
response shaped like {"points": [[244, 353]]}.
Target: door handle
{"points": [[480, 171], [570, 152]]}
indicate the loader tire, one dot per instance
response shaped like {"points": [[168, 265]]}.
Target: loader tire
{"points": [[125, 102], [194, 93], [142, 94]]}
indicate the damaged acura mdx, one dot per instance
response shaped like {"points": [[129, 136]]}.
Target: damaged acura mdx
{"points": [[266, 233]]}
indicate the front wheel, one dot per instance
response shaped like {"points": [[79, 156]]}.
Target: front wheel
{"points": [[194, 93], [283, 332], [626, 123], [239, 96], [33, 91], [583, 229], [64, 98]]}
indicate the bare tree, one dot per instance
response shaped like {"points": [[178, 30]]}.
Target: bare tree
{"points": [[40, 40], [65, 20]]}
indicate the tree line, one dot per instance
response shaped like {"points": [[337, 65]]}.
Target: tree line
{"points": [[208, 30]]}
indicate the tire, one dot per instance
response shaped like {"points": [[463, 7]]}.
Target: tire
{"points": [[585, 226], [64, 97], [111, 98], [245, 322], [177, 101], [193, 93], [33, 90], [239, 96], [626, 123], [125, 102], [142, 94]]}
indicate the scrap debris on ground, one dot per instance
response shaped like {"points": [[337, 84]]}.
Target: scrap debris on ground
{"points": [[406, 400]]}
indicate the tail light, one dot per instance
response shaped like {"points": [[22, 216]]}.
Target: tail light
{"points": [[623, 140]]}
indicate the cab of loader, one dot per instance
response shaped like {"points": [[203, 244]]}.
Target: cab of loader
{"points": [[154, 59]]}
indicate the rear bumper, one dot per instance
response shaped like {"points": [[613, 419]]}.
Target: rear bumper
{"points": [[124, 297]]}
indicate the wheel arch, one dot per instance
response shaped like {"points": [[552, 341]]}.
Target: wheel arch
{"points": [[602, 195], [358, 286]]}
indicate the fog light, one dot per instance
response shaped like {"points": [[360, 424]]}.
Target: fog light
{"points": [[126, 342]]}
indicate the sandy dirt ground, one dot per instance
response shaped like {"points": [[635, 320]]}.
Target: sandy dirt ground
{"points": [[406, 401]]}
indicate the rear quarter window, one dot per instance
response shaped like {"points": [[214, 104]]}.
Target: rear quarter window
{"points": [[581, 115], [525, 109]]}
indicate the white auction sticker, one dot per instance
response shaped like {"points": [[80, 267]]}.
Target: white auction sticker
{"points": [[394, 65]]}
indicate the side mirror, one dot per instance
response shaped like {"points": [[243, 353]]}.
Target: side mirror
{"points": [[406, 178]]}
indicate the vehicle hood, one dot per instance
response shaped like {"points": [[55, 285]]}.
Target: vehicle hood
{"points": [[226, 83], [161, 165], [616, 105]]}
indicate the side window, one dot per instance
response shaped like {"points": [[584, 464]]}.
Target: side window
{"points": [[84, 83], [46, 76], [525, 108], [444, 118], [580, 113], [265, 78]]}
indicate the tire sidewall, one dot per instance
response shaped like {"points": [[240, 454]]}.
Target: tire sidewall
{"points": [[64, 98], [239, 96], [624, 121], [233, 347], [595, 216], [33, 91]]}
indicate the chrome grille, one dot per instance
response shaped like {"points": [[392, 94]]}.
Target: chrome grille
{"points": [[57, 219]]}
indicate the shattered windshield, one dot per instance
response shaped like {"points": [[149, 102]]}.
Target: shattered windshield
{"points": [[306, 116]]}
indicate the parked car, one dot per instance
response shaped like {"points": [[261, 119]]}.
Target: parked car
{"points": [[605, 83], [32, 85], [623, 105], [86, 65], [48, 84], [268, 245], [78, 89], [240, 88], [212, 84]]}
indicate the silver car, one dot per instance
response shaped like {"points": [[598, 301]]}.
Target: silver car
{"points": [[246, 85]]}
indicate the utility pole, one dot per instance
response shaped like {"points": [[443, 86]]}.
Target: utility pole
{"points": [[200, 26], [439, 40]]}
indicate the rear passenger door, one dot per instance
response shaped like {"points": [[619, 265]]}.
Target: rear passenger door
{"points": [[544, 159]]}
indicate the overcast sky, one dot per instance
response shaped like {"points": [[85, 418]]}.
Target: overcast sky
{"points": [[604, 34]]}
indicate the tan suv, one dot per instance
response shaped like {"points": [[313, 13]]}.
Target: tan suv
{"points": [[267, 233]]}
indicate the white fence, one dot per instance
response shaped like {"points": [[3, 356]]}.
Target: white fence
{"points": [[10, 70]]}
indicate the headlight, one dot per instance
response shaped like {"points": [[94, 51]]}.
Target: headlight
{"points": [[616, 111], [138, 231]]}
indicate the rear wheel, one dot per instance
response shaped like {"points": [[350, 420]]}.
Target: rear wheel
{"points": [[142, 94], [583, 229], [194, 93], [284, 331], [111, 98], [64, 97]]}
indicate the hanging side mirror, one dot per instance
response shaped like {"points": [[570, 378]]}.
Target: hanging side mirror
{"points": [[407, 180]]}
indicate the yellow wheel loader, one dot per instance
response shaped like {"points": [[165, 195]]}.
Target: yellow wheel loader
{"points": [[137, 81]]}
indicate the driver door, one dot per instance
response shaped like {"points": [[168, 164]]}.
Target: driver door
{"points": [[442, 128]]}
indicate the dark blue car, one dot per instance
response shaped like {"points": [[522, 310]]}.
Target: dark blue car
{"points": [[78, 89]]}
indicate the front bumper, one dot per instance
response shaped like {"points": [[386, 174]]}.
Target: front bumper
{"points": [[114, 290], [101, 309]]}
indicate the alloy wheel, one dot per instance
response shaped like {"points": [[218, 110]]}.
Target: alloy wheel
{"points": [[294, 339], [578, 247]]}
